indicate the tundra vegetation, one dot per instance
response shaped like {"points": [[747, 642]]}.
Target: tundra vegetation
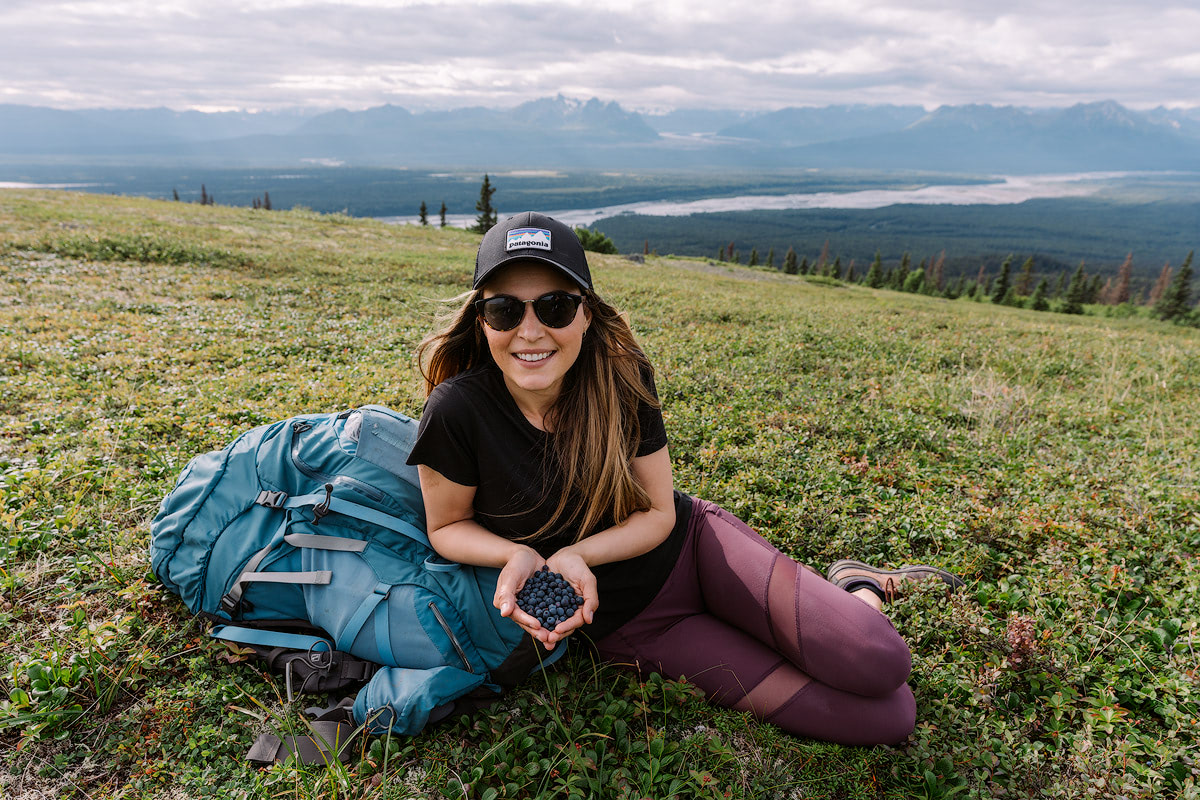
{"points": [[1049, 459]]}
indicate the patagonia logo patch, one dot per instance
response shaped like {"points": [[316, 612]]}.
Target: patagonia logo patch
{"points": [[527, 237]]}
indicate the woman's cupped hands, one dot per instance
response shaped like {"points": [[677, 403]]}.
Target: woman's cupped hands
{"points": [[521, 566]]}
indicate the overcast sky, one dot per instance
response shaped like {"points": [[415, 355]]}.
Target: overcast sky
{"points": [[645, 54]]}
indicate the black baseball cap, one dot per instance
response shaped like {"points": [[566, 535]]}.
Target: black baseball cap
{"points": [[531, 236]]}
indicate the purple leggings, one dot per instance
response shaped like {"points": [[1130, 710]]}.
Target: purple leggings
{"points": [[758, 632]]}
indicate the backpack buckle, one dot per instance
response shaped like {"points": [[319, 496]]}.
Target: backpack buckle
{"points": [[271, 499]]}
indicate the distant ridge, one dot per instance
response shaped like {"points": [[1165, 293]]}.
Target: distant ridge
{"points": [[563, 132]]}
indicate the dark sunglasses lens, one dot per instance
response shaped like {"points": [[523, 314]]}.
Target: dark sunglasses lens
{"points": [[503, 313], [556, 310]]}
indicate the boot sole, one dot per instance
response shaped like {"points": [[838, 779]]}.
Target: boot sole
{"points": [[948, 578]]}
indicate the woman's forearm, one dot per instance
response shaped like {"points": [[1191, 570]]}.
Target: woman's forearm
{"points": [[641, 532], [468, 542]]}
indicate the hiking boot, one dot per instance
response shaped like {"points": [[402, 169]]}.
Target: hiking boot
{"points": [[887, 583]]}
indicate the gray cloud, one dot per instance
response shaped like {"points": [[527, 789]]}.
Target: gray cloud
{"points": [[672, 53]]}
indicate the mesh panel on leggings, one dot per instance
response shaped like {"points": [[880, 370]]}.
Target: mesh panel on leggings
{"points": [[773, 691], [783, 609]]}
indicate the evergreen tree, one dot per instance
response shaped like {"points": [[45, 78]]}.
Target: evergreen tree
{"points": [[1120, 293], [1061, 286], [850, 276], [789, 262], [1176, 300], [424, 214], [1011, 299], [487, 214], [442, 214], [595, 241], [901, 277], [203, 195], [914, 282], [822, 260], [720, 253], [753, 262], [939, 272], [1038, 302], [1160, 285], [874, 277], [1000, 290], [175, 194], [1076, 292], [1094, 287], [804, 266], [1025, 278], [835, 270], [771, 258], [266, 203], [956, 290]]}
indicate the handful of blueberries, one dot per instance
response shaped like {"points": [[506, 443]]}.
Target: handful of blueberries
{"points": [[548, 597]]}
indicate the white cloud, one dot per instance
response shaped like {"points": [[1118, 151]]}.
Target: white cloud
{"points": [[447, 53]]}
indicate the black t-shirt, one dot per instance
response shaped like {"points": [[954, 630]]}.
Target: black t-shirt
{"points": [[472, 432]]}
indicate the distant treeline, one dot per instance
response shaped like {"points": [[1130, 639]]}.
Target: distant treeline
{"points": [[1168, 297], [1059, 233]]}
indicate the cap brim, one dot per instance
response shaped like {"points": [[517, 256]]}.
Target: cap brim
{"points": [[516, 257]]}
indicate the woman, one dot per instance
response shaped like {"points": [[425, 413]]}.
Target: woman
{"points": [[542, 444]]}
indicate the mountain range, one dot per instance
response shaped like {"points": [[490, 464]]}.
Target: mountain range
{"points": [[561, 132]]}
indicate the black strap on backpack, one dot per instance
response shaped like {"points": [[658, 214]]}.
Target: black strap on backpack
{"points": [[330, 735]]}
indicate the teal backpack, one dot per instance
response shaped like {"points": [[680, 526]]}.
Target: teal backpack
{"points": [[316, 524]]}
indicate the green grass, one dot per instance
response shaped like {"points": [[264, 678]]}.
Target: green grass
{"points": [[1050, 460]]}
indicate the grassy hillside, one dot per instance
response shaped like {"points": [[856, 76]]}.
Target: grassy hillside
{"points": [[1050, 460]]}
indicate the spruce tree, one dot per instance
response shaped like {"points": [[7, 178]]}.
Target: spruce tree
{"points": [[874, 277], [753, 262], [1176, 300], [1061, 286], [442, 214], [1095, 285], [1025, 278], [266, 203], [835, 271], [1076, 292], [1000, 290], [804, 266], [424, 214], [720, 254], [771, 258], [1038, 302], [1160, 285], [175, 194], [914, 282], [850, 276], [901, 276], [487, 214], [789, 262], [203, 195], [956, 290], [1121, 292]]}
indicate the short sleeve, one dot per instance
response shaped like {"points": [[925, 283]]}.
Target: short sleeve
{"points": [[650, 419], [447, 437]]}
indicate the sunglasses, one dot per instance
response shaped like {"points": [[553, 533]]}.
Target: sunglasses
{"points": [[505, 312]]}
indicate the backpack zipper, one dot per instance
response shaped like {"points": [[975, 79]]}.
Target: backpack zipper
{"points": [[453, 640], [362, 488]]}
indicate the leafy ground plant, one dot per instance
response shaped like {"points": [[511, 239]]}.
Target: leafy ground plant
{"points": [[1049, 460]]}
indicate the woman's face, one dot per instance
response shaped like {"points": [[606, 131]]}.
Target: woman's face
{"points": [[533, 357]]}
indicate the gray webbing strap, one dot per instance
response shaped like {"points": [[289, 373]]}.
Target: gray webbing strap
{"points": [[316, 578], [316, 542]]}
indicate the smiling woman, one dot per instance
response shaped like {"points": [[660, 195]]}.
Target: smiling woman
{"points": [[542, 446]]}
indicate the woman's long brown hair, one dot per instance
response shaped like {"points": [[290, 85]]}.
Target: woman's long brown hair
{"points": [[594, 420]]}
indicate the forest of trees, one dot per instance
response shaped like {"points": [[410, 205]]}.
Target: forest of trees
{"points": [[1169, 297]]}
